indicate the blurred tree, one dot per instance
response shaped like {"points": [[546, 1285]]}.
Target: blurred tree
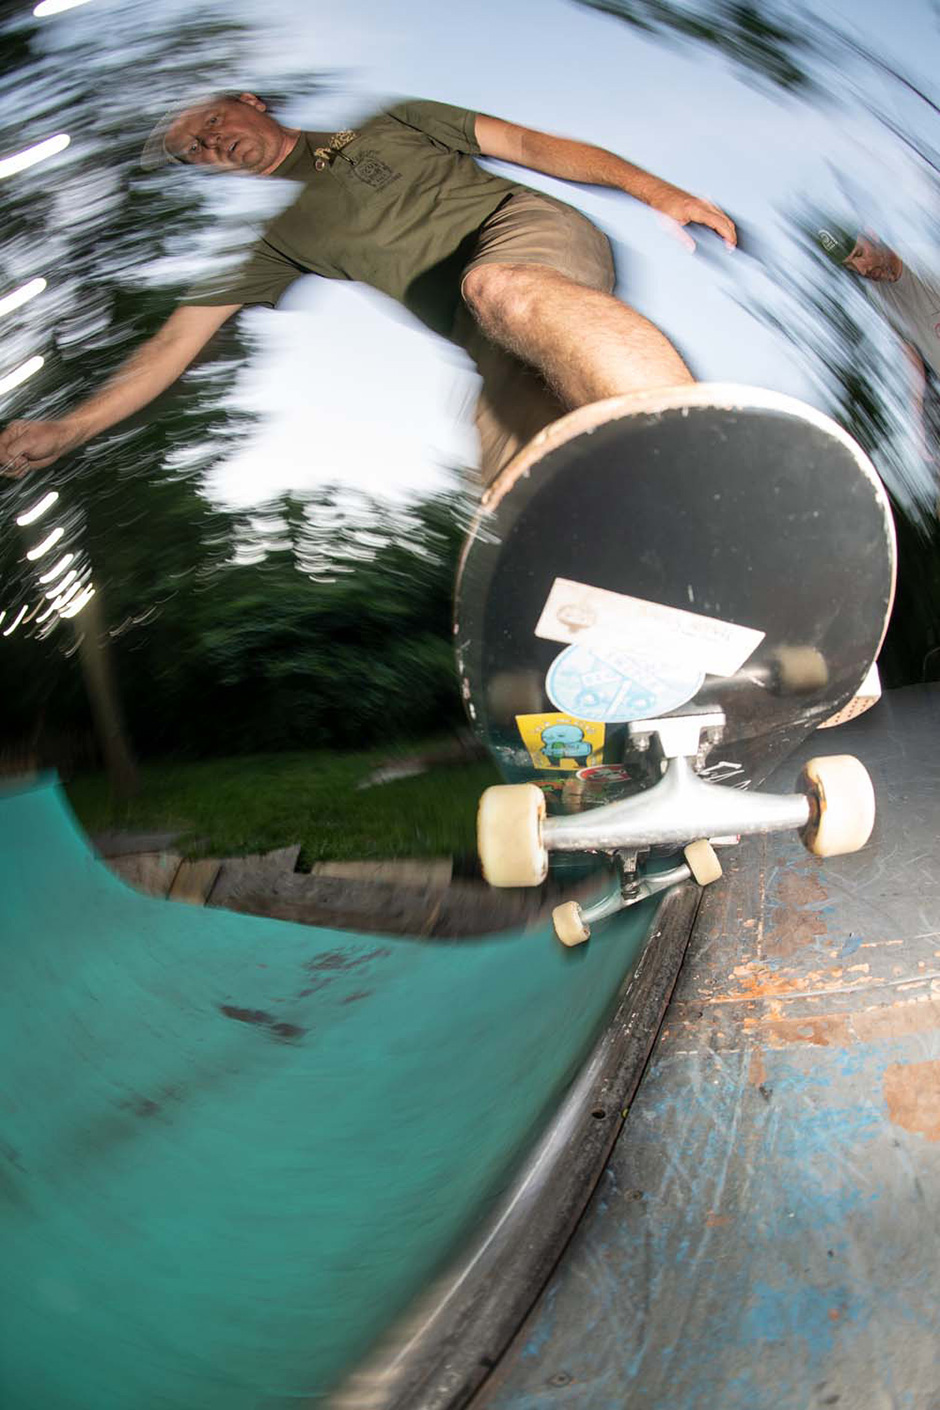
{"points": [[116, 246], [338, 636], [759, 40]]}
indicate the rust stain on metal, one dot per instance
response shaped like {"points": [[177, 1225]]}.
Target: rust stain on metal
{"points": [[717, 1221], [900, 1019], [796, 889], [822, 1031], [792, 927], [912, 1096], [897, 1020], [757, 1072], [793, 931], [764, 981], [761, 981]]}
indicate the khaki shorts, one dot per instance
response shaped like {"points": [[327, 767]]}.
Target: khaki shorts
{"points": [[527, 229]]}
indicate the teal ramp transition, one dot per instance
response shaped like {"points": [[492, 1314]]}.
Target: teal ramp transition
{"points": [[233, 1149]]}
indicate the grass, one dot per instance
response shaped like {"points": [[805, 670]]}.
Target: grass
{"points": [[228, 807]]}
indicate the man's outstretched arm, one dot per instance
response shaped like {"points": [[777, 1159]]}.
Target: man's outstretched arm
{"points": [[32, 445], [577, 161]]}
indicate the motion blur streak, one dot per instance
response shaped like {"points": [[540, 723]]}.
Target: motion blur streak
{"points": [[21, 296], [58, 568], [81, 601], [30, 516], [20, 374], [59, 587], [16, 621], [9, 166], [56, 7], [66, 596], [46, 544]]}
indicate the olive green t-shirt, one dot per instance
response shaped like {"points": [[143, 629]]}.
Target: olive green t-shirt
{"points": [[397, 207]]}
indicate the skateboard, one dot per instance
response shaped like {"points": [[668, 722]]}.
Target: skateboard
{"points": [[658, 600]]}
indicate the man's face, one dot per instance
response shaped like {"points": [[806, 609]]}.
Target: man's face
{"points": [[872, 260], [230, 134]]}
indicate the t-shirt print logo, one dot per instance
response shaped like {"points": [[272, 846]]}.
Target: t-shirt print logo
{"points": [[370, 168]]}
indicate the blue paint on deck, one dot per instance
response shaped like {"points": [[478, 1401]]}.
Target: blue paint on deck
{"points": [[784, 1254]]}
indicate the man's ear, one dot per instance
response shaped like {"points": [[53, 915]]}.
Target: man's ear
{"points": [[252, 101]]}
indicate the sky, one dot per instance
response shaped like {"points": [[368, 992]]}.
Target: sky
{"points": [[344, 382]]}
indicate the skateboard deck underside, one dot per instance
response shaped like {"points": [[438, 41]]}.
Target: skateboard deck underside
{"points": [[746, 509]]}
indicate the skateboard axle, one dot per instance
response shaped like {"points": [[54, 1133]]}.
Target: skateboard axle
{"points": [[616, 900], [681, 805]]}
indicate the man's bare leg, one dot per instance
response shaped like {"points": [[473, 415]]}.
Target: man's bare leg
{"points": [[586, 344]]}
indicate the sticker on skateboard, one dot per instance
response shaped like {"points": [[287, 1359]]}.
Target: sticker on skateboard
{"points": [[603, 680], [576, 611], [561, 741]]}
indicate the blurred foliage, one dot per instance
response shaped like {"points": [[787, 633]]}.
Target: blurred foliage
{"points": [[240, 654], [748, 34], [825, 314], [225, 636], [354, 650]]}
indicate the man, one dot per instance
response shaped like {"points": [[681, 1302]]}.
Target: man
{"points": [[523, 282], [911, 304]]}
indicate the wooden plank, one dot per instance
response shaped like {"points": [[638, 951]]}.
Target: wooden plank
{"points": [[194, 881], [153, 873]]}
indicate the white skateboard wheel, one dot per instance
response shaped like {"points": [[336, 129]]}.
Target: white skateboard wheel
{"points": [[843, 805], [569, 925], [702, 861], [509, 835]]}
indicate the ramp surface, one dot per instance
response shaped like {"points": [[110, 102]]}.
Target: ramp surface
{"points": [[765, 1235], [233, 1149]]}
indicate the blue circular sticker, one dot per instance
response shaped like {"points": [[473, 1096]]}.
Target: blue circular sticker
{"points": [[614, 684]]}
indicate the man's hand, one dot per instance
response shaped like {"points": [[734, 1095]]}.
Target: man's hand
{"points": [[681, 209], [32, 445]]}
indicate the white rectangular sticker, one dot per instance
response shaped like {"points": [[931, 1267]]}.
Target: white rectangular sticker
{"points": [[575, 612]]}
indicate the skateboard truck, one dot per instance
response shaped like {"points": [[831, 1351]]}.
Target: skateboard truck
{"points": [[573, 922], [833, 811]]}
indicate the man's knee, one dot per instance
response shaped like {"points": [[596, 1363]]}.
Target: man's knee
{"points": [[508, 294], [498, 293]]}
